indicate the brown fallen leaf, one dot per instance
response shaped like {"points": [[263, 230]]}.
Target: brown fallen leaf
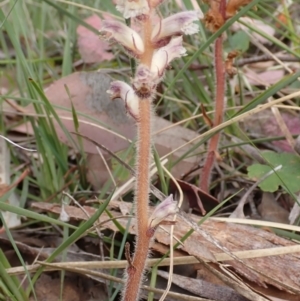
{"points": [[106, 122], [265, 125], [271, 211], [264, 78]]}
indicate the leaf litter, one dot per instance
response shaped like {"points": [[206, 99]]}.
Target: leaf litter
{"points": [[272, 270]]}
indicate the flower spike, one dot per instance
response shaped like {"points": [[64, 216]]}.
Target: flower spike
{"points": [[132, 8], [127, 37]]}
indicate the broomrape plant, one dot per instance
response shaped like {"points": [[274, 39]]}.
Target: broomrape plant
{"points": [[154, 48], [158, 44]]}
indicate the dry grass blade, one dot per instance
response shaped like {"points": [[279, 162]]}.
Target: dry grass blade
{"points": [[253, 222], [120, 264]]}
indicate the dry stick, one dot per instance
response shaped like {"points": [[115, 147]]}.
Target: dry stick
{"points": [[136, 268], [220, 92]]}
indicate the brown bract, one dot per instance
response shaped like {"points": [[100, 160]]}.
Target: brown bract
{"points": [[213, 20], [233, 6]]}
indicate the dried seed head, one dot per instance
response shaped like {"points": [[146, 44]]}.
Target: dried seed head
{"points": [[213, 20], [124, 35]]}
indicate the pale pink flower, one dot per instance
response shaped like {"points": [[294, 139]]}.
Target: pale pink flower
{"points": [[177, 24], [119, 89], [163, 56], [132, 8], [165, 209], [127, 37]]}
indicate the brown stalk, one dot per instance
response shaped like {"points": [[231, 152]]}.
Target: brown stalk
{"points": [[219, 106], [136, 267]]}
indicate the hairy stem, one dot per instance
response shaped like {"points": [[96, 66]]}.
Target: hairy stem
{"points": [[219, 106], [136, 268]]}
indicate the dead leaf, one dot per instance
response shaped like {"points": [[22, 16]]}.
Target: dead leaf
{"points": [[106, 122], [259, 25], [91, 48], [265, 125], [264, 78], [271, 211]]}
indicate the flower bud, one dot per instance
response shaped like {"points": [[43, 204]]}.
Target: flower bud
{"points": [[165, 209], [124, 35], [119, 89], [144, 82], [163, 56], [177, 24], [132, 8]]}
